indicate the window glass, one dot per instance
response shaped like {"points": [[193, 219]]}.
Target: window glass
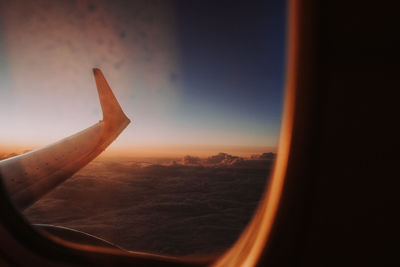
{"points": [[201, 81]]}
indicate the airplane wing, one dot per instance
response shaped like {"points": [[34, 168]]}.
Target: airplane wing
{"points": [[30, 176]]}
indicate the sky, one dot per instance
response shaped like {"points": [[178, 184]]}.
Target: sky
{"points": [[194, 77]]}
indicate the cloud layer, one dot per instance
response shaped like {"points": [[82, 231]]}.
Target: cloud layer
{"points": [[182, 208]]}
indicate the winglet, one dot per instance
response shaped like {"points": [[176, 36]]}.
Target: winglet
{"points": [[112, 111]]}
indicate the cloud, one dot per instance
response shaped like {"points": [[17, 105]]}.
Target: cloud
{"points": [[190, 160], [264, 156], [224, 159], [173, 209], [6, 156]]}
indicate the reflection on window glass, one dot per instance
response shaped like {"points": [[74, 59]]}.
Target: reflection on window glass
{"points": [[202, 84]]}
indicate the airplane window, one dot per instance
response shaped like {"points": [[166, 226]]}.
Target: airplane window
{"points": [[180, 146]]}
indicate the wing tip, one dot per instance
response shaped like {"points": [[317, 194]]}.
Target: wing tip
{"points": [[112, 111], [96, 71]]}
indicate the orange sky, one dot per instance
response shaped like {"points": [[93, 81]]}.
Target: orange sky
{"points": [[161, 151]]}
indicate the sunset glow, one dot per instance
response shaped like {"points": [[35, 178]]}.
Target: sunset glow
{"points": [[48, 49]]}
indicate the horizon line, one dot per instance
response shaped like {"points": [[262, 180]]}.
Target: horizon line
{"points": [[163, 150]]}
